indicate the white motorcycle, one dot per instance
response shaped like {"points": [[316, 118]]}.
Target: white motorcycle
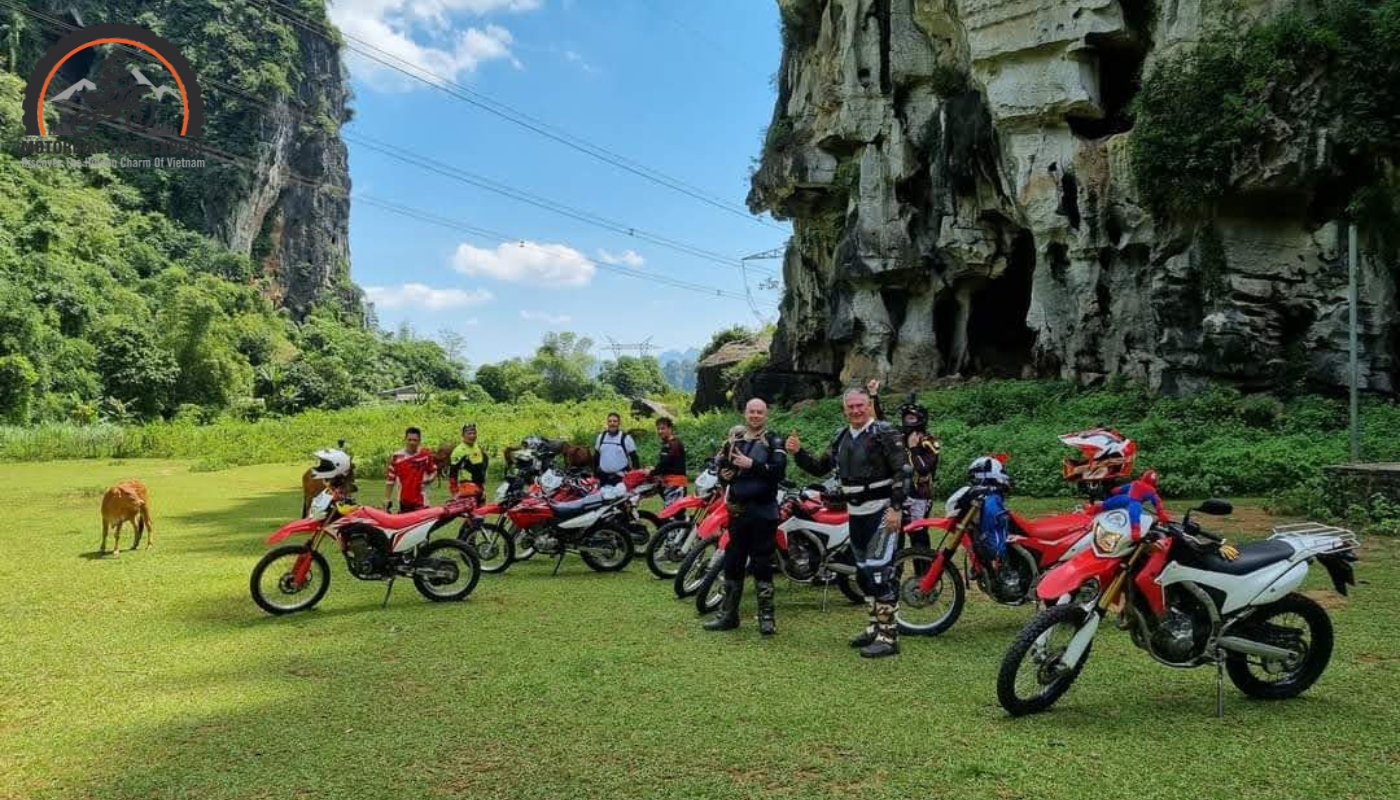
{"points": [[1188, 599]]}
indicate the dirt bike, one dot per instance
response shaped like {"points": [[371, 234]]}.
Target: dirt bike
{"points": [[1187, 600], [678, 532], [377, 546], [813, 547], [932, 590], [596, 526]]}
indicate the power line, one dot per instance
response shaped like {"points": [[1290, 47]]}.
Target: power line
{"points": [[447, 170], [506, 112]]}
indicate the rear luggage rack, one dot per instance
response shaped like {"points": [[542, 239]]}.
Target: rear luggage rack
{"points": [[1346, 539]]}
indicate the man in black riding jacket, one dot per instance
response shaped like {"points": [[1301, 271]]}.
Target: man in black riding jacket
{"points": [[873, 467], [753, 463]]}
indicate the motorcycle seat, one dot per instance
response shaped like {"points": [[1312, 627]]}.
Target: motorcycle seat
{"points": [[1252, 557], [396, 522], [1055, 527], [585, 503]]}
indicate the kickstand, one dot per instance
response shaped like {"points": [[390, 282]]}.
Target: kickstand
{"points": [[386, 593], [558, 562], [1219, 686], [826, 587]]}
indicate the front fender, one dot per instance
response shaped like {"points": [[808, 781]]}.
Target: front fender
{"points": [[298, 528], [681, 505], [942, 523], [717, 519], [1069, 576]]}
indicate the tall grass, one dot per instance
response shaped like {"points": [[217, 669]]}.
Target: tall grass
{"points": [[1216, 442]]}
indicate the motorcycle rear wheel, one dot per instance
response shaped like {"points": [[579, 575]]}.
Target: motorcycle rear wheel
{"points": [[452, 558], [1271, 680], [318, 580], [619, 543]]}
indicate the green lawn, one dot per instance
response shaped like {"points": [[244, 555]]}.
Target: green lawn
{"points": [[154, 676]]}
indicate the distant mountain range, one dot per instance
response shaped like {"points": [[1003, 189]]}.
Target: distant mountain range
{"points": [[676, 355]]}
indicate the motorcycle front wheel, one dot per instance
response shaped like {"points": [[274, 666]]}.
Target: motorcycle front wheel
{"points": [[692, 569], [494, 547], [1032, 675], [931, 613], [710, 593], [665, 554], [282, 594], [446, 570]]}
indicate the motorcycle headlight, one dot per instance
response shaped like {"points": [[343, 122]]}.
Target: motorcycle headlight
{"points": [[1106, 541]]}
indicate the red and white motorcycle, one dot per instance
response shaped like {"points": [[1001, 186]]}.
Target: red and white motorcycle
{"points": [[377, 546], [680, 523], [1188, 600]]}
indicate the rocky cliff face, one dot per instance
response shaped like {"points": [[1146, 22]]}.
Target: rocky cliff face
{"points": [[295, 219], [957, 174]]}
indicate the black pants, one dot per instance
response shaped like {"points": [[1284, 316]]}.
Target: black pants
{"points": [[752, 538], [874, 546]]}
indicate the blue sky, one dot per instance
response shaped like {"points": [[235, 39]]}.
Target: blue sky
{"points": [[680, 86]]}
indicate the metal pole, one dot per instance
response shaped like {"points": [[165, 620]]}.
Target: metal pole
{"points": [[1351, 333]]}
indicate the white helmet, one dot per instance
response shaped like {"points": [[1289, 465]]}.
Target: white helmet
{"points": [[551, 480], [331, 464], [988, 470]]}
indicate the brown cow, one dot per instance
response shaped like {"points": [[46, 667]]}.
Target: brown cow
{"points": [[127, 501]]}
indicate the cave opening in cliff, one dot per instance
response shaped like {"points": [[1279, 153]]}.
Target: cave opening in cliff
{"points": [[1117, 60], [999, 340]]}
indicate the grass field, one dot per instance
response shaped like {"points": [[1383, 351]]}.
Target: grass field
{"points": [[154, 676]]}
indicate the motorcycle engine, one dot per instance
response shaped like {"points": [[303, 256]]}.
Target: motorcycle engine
{"points": [[546, 543], [1181, 635], [1010, 582], [365, 554], [803, 558]]}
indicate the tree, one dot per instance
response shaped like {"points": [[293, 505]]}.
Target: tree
{"points": [[17, 380], [634, 377], [563, 361], [508, 380], [211, 372], [134, 368]]}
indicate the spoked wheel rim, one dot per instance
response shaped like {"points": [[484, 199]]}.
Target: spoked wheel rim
{"points": [[607, 548], [445, 572], [919, 611], [668, 551], [491, 545], [696, 574], [1288, 630], [714, 594], [277, 585], [1042, 668]]}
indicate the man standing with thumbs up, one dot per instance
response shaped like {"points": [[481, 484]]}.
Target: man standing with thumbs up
{"points": [[870, 462]]}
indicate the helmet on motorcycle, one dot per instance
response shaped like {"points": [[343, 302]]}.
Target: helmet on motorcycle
{"points": [[1104, 455], [989, 471], [911, 410], [330, 464], [550, 481]]}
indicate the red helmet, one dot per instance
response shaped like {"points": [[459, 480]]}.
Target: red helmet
{"points": [[1150, 478], [1104, 455], [634, 478]]}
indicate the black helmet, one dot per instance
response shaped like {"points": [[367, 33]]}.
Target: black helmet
{"points": [[911, 407]]}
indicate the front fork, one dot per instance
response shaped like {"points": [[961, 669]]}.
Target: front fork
{"points": [[947, 548], [303, 565]]}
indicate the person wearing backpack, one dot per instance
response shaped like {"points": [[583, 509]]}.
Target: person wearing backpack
{"points": [[613, 452], [872, 464]]}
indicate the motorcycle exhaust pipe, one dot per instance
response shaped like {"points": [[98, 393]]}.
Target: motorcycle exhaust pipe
{"points": [[1250, 647]]}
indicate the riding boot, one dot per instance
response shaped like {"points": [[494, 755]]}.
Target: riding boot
{"points": [[728, 617], [886, 632], [766, 623], [864, 638]]}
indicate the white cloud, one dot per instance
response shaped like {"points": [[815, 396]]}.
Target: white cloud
{"points": [[548, 319], [573, 57], [628, 257], [548, 265], [422, 33], [418, 295]]}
